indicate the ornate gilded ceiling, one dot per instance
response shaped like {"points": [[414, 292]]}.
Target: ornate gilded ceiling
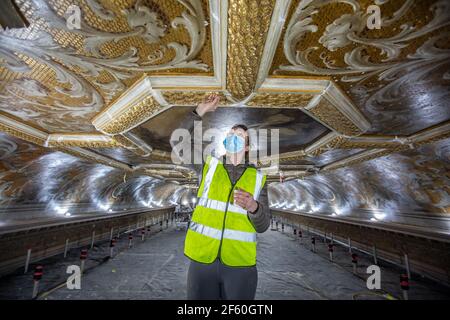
{"points": [[341, 94]]}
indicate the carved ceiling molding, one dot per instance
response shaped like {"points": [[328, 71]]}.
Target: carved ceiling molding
{"points": [[425, 136], [321, 99], [191, 98], [94, 140], [136, 106], [280, 100], [22, 131], [397, 144], [378, 146], [357, 158], [334, 109], [327, 142], [248, 26]]}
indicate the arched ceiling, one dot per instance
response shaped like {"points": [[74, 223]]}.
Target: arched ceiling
{"points": [[102, 100]]}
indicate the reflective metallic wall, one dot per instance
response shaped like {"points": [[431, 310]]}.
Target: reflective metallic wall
{"points": [[36, 183], [412, 187]]}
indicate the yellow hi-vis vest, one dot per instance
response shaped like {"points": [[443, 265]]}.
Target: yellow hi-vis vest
{"points": [[218, 227]]}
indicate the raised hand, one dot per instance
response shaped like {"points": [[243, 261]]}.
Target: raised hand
{"points": [[209, 104]]}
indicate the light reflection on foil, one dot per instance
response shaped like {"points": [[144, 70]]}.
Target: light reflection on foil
{"points": [[387, 189]]}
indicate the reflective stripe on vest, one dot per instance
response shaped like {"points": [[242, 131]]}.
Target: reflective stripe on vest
{"points": [[209, 175], [220, 205], [227, 233], [259, 178]]}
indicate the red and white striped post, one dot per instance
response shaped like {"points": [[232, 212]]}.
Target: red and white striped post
{"points": [[130, 241], [83, 256], [37, 276], [404, 284]]}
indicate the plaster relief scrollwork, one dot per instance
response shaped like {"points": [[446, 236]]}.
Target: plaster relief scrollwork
{"points": [[79, 90], [377, 69]]}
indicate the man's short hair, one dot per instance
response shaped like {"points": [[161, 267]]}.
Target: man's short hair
{"points": [[240, 126], [243, 127]]}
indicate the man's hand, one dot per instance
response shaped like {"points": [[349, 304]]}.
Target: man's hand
{"points": [[209, 104], [245, 200]]}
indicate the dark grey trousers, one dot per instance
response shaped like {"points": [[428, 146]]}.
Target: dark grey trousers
{"points": [[217, 281]]}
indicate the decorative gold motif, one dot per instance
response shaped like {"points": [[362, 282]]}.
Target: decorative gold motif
{"points": [[335, 119], [384, 71], [333, 144], [282, 100], [132, 116], [21, 135], [84, 141], [77, 73], [128, 144], [248, 24], [160, 155], [440, 136], [190, 98]]}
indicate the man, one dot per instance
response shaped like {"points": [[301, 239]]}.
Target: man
{"points": [[232, 208]]}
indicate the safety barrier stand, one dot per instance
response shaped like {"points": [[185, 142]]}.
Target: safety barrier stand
{"points": [[83, 256], [37, 276], [404, 284], [130, 240]]}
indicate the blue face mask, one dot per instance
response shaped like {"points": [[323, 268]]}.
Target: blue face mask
{"points": [[234, 143]]}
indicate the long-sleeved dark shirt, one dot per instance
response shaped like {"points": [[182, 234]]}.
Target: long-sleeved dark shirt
{"points": [[260, 219]]}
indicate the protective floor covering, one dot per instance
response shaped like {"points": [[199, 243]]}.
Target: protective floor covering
{"points": [[156, 269]]}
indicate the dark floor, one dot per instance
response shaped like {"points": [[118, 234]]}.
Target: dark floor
{"points": [[156, 269]]}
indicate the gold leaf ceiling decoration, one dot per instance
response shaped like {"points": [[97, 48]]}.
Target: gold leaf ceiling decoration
{"points": [[91, 89]]}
